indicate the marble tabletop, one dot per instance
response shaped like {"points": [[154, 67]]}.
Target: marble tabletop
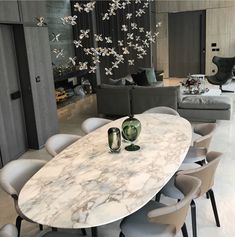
{"points": [[87, 186]]}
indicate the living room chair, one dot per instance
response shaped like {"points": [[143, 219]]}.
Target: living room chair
{"points": [[8, 230], [56, 143], [13, 177], [224, 74], [91, 124], [206, 174], [162, 110], [156, 219], [202, 136]]}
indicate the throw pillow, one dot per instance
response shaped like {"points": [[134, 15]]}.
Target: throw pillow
{"points": [[129, 80], [116, 82], [150, 74], [140, 79]]}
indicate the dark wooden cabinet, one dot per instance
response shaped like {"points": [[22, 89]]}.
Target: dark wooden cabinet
{"points": [[42, 82], [13, 138], [9, 11], [28, 115]]}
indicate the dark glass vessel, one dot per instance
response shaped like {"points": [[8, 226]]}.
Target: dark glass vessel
{"points": [[114, 139], [131, 128]]}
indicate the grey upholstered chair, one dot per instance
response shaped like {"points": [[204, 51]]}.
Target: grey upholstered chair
{"points": [[224, 74], [201, 142], [156, 219], [13, 176], [162, 110], [8, 230], [55, 144], [92, 124], [206, 174]]}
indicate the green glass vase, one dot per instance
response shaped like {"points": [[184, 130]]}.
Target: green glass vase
{"points": [[131, 128], [114, 139]]}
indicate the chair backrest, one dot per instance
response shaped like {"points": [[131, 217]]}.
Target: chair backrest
{"points": [[16, 173], [225, 69], [175, 215], [55, 144], [206, 173], [8, 230], [206, 131], [92, 124], [162, 110]]}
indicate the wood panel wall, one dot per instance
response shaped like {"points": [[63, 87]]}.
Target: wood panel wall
{"points": [[220, 20]]}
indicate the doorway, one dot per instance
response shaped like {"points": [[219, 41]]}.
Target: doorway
{"points": [[13, 138], [187, 43]]}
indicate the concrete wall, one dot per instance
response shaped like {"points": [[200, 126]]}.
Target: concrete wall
{"points": [[220, 22]]}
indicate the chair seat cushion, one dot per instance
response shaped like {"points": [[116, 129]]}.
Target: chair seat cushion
{"points": [[206, 102], [8, 230], [138, 225], [195, 136], [170, 189], [195, 154]]}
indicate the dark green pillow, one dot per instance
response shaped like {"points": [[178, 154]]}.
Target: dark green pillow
{"points": [[150, 74], [140, 79]]}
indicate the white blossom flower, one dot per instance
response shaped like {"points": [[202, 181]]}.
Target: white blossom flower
{"points": [[77, 7]]}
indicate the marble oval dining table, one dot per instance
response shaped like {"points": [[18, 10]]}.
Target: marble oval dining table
{"points": [[87, 186]]}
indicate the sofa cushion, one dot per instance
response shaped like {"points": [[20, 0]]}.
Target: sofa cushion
{"points": [[150, 74], [140, 79], [116, 82], [206, 102]]}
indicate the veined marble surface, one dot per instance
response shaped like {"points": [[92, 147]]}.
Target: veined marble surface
{"points": [[86, 185]]}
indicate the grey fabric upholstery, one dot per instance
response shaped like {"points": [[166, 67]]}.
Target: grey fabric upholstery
{"points": [[144, 98], [8, 231], [124, 100], [92, 124], [205, 108], [206, 102], [55, 144], [195, 154], [113, 100], [205, 115], [138, 225]]}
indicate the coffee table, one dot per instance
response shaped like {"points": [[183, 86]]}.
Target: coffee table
{"points": [[210, 92]]}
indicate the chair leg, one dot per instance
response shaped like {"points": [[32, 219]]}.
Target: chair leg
{"points": [[158, 197], [184, 230], [213, 203], [94, 232], [54, 229], [40, 227], [121, 234], [83, 231], [18, 224], [194, 220], [207, 195]]}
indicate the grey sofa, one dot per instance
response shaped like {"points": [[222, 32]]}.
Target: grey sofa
{"points": [[124, 100], [205, 108], [144, 98], [113, 100]]}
